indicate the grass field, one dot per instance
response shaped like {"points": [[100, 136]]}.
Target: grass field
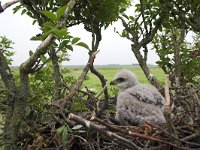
{"points": [[110, 71]]}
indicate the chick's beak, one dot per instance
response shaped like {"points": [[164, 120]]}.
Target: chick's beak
{"points": [[114, 82]]}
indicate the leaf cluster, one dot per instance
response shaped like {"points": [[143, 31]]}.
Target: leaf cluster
{"points": [[6, 47]]}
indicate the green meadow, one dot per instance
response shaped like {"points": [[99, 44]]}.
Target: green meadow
{"points": [[109, 72]]}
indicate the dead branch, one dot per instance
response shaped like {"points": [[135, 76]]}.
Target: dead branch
{"points": [[103, 131]]}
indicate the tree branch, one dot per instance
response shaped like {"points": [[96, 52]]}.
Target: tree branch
{"points": [[42, 48], [137, 45], [96, 38], [8, 4]]}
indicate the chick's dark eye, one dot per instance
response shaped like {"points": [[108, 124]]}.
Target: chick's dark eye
{"points": [[120, 80]]}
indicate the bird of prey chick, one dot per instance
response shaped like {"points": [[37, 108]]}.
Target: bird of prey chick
{"points": [[137, 103]]}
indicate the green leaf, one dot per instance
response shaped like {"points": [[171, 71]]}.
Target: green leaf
{"points": [[43, 58], [45, 119], [69, 36], [30, 53], [60, 12], [36, 38], [49, 25], [23, 11], [124, 15], [17, 8], [64, 32], [69, 47], [60, 130], [30, 14], [64, 135], [65, 42], [50, 15], [83, 45], [58, 33], [75, 40], [34, 21], [132, 18]]}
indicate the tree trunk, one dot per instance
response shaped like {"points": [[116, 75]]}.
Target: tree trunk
{"points": [[13, 119], [15, 106]]}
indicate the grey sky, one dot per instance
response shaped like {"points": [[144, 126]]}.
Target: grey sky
{"points": [[113, 48]]}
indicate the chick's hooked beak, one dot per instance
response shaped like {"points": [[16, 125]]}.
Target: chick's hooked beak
{"points": [[117, 81], [114, 82]]}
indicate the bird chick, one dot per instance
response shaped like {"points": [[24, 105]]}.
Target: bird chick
{"points": [[137, 103]]}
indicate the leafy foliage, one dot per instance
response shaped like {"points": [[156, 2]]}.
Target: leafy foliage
{"points": [[165, 50], [5, 47], [104, 12]]}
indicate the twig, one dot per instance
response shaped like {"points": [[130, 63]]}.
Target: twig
{"points": [[190, 137], [167, 95], [102, 130]]}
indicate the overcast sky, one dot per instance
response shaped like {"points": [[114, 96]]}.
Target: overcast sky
{"points": [[113, 48]]}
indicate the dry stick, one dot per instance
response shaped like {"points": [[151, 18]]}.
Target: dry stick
{"points": [[167, 110], [191, 137], [103, 131], [136, 135], [62, 102]]}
